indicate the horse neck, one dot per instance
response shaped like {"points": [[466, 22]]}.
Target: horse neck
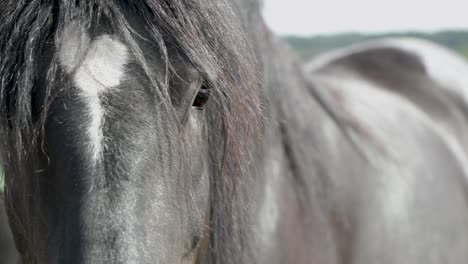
{"points": [[292, 163], [294, 112]]}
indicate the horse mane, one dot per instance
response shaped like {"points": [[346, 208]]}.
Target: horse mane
{"points": [[204, 31]]}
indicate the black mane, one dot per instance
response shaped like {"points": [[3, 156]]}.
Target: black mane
{"points": [[211, 40]]}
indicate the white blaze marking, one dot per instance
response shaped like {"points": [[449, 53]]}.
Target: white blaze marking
{"points": [[95, 67]]}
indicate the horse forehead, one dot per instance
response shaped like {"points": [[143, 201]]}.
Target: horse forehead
{"points": [[94, 65]]}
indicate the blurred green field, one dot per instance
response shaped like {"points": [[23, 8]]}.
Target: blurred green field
{"points": [[310, 46]]}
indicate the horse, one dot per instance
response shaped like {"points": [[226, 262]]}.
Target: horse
{"points": [[186, 132], [127, 127], [413, 68]]}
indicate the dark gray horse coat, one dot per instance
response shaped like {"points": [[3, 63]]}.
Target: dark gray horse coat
{"points": [[364, 157], [361, 157]]}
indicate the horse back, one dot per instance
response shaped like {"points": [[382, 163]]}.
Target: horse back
{"points": [[406, 202], [428, 76]]}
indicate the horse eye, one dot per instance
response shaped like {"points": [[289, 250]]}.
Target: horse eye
{"points": [[202, 98]]}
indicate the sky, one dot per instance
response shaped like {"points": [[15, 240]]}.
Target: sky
{"points": [[312, 17]]}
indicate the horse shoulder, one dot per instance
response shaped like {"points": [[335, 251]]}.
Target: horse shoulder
{"points": [[414, 183]]}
